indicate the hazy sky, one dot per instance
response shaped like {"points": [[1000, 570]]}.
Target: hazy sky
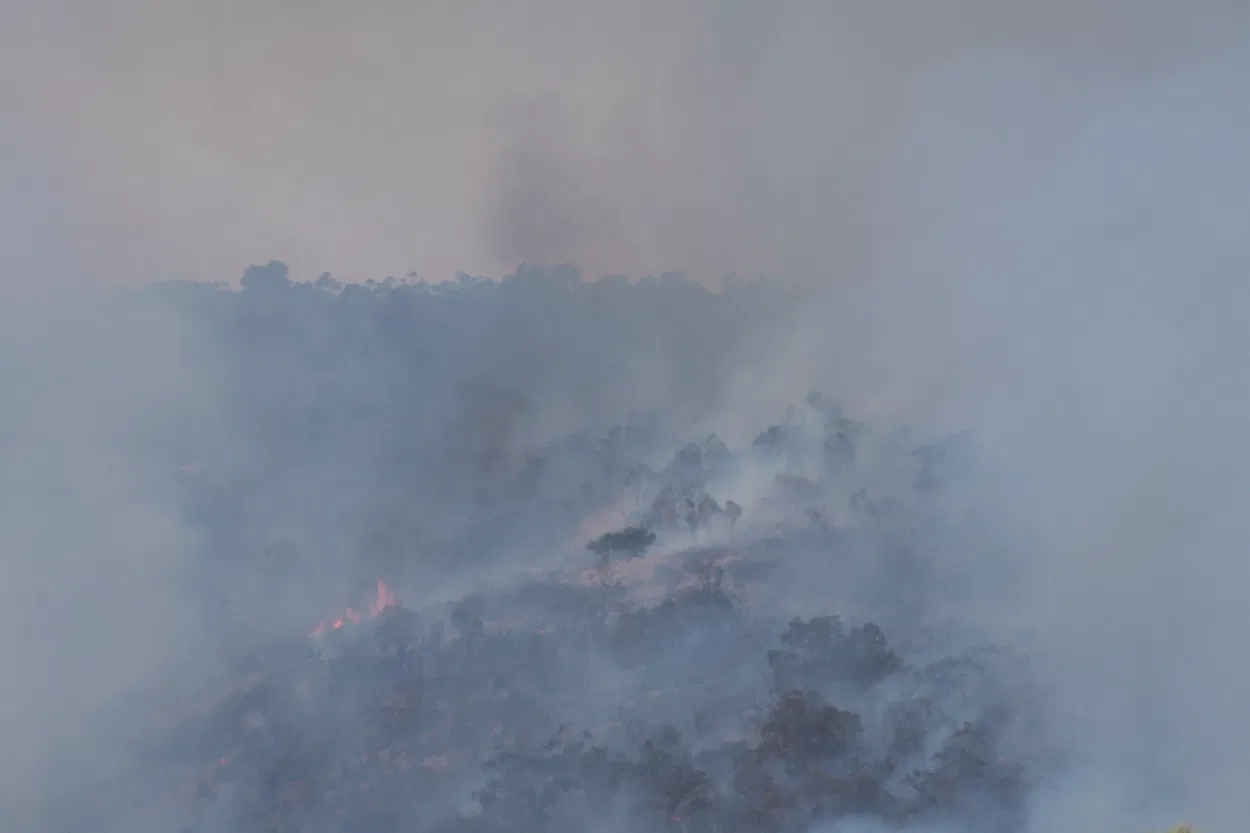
{"points": [[380, 136]]}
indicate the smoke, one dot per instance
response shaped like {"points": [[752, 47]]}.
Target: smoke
{"points": [[1025, 220], [383, 137], [1073, 251], [96, 563]]}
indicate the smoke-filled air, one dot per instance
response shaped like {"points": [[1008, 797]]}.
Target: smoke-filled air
{"points": [[814, 416]]}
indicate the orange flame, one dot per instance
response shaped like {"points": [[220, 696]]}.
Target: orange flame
{"points": [[382, 602]]}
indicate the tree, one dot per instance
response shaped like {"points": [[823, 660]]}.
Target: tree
{"points": [[707, 509], [632, 540], [733, 512], [272, 276]]}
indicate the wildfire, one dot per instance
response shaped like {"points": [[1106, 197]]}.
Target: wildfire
{"points": [[383, 600]]}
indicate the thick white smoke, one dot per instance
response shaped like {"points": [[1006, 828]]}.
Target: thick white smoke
{"points": [[1071, 278]]}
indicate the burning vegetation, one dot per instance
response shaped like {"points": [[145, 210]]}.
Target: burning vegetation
{"points": [[383, 601], [764, 644], [664, 699], [407, 727]]}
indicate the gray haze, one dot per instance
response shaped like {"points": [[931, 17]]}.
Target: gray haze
{"points": [[382, 137], [1043, 204], [1069, 280]]}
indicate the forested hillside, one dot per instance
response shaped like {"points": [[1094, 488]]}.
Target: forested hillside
{"points": [[474, 560]]}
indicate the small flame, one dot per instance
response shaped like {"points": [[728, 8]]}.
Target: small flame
{"points": [[383, 601]]}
